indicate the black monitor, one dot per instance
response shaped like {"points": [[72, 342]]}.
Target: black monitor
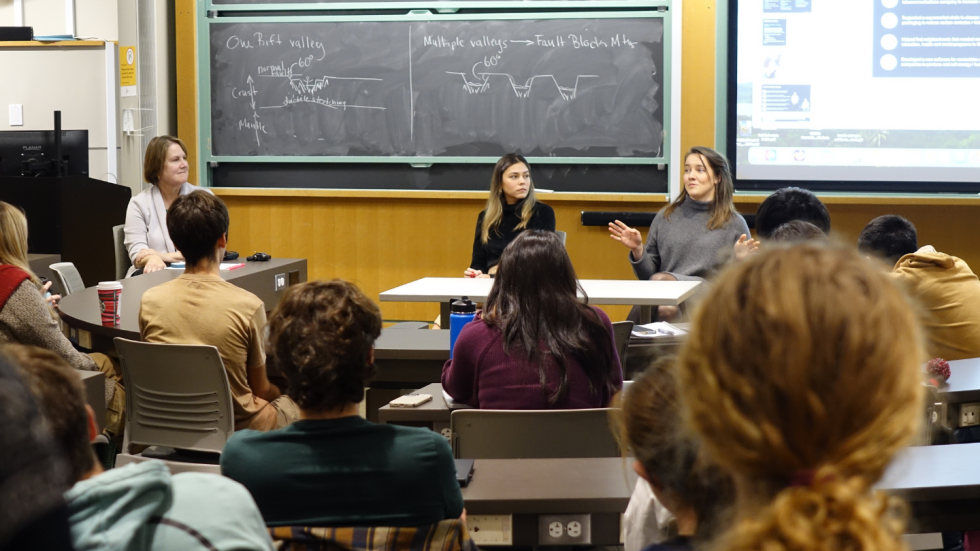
{"points": [[30, 152]]}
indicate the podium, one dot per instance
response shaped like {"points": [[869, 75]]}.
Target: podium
{"points": [[72, 216]]}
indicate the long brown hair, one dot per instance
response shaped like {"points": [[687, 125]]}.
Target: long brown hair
{"points": [[801, 376], [13, 239], [722, 206], [533, 301], [650, 425], [495, 208]]}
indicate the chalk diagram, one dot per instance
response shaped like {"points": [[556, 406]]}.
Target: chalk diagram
{"points": [[480, 83], [304, 89]]}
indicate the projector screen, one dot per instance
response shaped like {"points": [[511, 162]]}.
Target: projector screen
{"points": [[870, 95]]}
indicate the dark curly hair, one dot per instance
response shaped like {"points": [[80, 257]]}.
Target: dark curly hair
{"points": [[320, 337]]}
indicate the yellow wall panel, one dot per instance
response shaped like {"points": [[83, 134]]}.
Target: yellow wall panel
{"points": [[382, 243]]}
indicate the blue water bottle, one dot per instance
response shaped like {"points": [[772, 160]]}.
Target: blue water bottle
{"points": [[461, 312]]}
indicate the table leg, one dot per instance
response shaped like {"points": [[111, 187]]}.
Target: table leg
{"points": [[444, 314], [646, 314]]}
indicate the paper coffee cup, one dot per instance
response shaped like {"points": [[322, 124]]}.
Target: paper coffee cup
{"points": [[110, 297]]}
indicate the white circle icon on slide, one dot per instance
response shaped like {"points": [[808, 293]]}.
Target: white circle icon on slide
{"points": [[889, 3], [889, 42], [888, 62], [889, 20]]}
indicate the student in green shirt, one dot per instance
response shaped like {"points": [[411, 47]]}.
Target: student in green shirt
{"points": [[333, 468]]}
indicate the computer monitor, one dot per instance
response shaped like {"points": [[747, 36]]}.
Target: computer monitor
{"points": [[30, 152]]}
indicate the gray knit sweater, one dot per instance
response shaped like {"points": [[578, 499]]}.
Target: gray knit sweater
{"points": [[684, 246], [25, 319]]}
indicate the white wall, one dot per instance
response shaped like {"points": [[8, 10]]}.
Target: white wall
{"points": [[93, 18], [69, 79]]}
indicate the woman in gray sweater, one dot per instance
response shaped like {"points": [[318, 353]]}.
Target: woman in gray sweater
{"points": [[693, 236]]}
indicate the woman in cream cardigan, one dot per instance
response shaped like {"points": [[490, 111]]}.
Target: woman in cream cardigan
{"points": [[165, 166]]}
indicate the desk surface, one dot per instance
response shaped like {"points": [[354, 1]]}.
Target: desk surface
{"points": [[599, 291], [935, 473], [412, 344], [435, 410], [82, 309], [964, 382], [529, 486]]}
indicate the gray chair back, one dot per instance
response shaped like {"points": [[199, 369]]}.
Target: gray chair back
{"points": [[68, 277], [562, 235], [525, 434], [122, 255], [177, 396], [621, 336]]}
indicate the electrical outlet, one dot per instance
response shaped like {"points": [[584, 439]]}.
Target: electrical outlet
{"points": [[280, 282], [565, 529], [491, 529], [969, 414]]}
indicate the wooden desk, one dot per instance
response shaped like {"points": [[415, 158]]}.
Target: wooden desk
{"points": [[529, 488], [94, 382], [645, 294], [941, 483], [81, 310]]}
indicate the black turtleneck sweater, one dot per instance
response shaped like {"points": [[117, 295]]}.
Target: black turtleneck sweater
{"points": [[486, 255]]}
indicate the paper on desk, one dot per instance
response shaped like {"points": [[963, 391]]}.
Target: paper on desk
{"points": [[656, 330], [223, 266]]}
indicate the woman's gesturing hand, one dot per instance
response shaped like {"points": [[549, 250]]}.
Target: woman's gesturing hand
{"points": [[627, 236]]}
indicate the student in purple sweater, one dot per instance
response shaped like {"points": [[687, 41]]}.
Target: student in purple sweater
{"points": [[535, 345]]}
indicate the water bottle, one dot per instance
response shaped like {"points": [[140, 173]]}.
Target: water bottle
{"points": [[461, 312]]}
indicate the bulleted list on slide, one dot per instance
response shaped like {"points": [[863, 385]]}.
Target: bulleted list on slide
{"points": [[875, 84]]}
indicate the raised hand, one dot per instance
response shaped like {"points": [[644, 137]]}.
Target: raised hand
{"points": [[746, 247]]}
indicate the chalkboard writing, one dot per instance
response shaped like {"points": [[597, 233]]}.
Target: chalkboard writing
{"points": [[547, 87]]}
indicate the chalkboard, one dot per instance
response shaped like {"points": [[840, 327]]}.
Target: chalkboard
{"points": [[584, 87]]}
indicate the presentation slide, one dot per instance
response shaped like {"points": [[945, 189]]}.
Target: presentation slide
{"points": [[870, 90]]}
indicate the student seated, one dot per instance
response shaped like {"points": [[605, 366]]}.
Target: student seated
{"points": [[25, 317], [139, 506], [694, 236], [511, 209], [333, 468], [33, 473], [201, 308], [694, 491], [796, 231], [944, 286], [535, 345], [788, 204], [801, 377]]}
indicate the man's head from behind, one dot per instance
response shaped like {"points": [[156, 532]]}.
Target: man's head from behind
{"points": [[889, 237], [61, 396], [786, 205], [321, 336], [196, 222]]}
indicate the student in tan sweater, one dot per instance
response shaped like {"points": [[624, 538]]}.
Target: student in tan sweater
{"points": [[200, 307], [944, 285]]}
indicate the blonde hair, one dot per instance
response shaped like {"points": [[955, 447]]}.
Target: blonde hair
{"points": [[156, 157], [722, 206], [495, 209], [801, 375], [13, 239]]}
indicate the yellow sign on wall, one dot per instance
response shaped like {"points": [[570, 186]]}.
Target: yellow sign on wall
{"points": [[127, 71]]}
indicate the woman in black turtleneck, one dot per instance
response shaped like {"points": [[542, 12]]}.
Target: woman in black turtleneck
{"points": [[511, 209]]}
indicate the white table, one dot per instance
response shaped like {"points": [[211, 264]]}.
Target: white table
{"points": [[645, 294]]}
